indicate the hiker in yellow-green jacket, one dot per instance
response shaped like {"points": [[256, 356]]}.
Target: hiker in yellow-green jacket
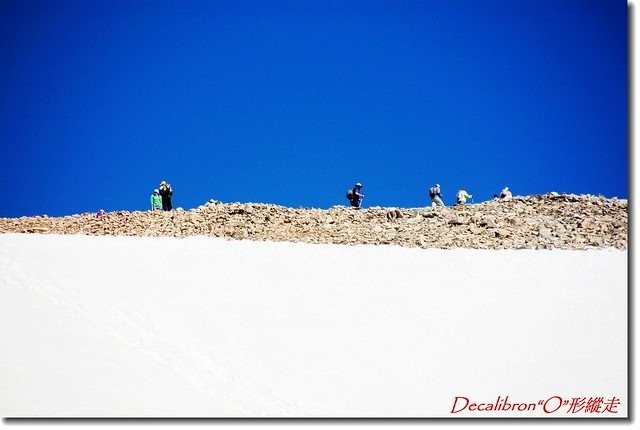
{"points": [[462, 196], [156, 201]]}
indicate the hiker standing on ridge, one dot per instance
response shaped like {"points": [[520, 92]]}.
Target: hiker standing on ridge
{"points": [[355, 196], [156, 201], [166, 192], [462, 196], [436, 196]]}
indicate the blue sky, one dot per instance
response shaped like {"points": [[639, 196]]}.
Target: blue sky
{"points": [[292, 102]]}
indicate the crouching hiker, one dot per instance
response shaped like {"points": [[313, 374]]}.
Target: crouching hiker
{"points": [[505, 194], [355, 196], [462, 196]]}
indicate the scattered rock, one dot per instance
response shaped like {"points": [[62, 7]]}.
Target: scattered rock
{"points": [[587, 224], [544, 233], [501, 232], [488, 222], [458, 221], [563, 221], [394, 214]]}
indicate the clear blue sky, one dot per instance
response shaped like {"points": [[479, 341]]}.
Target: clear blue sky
{"points": [[292, 102]]}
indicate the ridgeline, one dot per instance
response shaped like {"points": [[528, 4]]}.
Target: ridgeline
{"points": [[549, 221]]}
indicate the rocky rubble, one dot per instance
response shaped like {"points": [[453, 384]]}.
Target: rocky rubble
{"points": [[542, 221]]}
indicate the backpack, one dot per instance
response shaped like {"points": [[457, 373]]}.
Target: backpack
{"points": [[350, 194], [432, 192]]}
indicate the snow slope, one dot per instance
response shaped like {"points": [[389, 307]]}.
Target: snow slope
{"points": [[204, 327]]}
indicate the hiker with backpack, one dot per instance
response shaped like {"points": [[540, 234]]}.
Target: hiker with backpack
{"points": [[462, 196], [505, 194], [436, 196], [355, 196]]}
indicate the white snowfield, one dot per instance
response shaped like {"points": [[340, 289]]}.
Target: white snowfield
{"points": [[205, 327]]}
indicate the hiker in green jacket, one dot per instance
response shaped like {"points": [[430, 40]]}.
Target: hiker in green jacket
{"points": [[156, 201]]}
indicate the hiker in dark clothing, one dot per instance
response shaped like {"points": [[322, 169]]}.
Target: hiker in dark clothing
{"points": [[355, 196], [166, 192]]}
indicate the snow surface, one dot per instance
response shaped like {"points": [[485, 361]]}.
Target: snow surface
{"points": [[205, 327]]}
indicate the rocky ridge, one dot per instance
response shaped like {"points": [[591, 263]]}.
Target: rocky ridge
{"points": [[548, 221]]}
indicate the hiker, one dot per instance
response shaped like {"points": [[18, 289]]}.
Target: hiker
{"points": [[100, 213], [505, 194], [166, 192], [462, 196], [436, 196], [156, 201], [355, 196]]}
